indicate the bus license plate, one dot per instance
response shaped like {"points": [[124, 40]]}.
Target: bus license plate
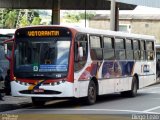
{"points": [[38, 90]]}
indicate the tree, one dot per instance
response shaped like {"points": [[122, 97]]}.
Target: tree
{"points": [[24, 22], [36, 21], [10, 19], [88, 15], [76, 17]]}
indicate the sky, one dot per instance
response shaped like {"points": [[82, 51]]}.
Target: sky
{"points": [[146, 10]]}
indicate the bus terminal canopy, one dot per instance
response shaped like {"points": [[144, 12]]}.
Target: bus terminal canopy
{"points": [[64, 4]]}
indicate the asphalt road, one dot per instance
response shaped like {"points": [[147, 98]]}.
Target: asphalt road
{"points": [[147, 102]]}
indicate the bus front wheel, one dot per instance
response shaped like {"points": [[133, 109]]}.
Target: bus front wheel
{"points": [[92, 93]]}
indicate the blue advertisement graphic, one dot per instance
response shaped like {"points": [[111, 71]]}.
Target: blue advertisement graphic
{"points": [[49, 68], [117, 69]]}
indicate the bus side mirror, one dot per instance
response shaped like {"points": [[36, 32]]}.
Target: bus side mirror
{"points": [[80, 51]]}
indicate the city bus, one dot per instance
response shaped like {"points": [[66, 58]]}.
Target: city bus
{"points": [[50, 62]]}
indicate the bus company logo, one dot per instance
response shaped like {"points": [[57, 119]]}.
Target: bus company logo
{"points": [[145, 68], [9, 117], [35, 68], [35, 85]]}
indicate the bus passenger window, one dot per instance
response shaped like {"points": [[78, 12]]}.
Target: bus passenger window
{"points": [[96, 48], [120, 49], [120, 55], [143, 50], [150, 55], [108, 49], [150, 50], [129, 49], [136, 46]]}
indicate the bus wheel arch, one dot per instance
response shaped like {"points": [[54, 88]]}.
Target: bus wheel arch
{"points": [[134, 87], [137, 78], [92, 91], [95, 80]]}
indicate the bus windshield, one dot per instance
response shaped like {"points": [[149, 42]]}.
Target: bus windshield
{"points": [[41, 57]]}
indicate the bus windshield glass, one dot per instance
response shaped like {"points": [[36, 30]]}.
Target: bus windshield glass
{"points": [[41, 57]]}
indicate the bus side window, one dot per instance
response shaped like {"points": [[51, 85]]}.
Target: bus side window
{"points": [[96, 47], [129, 49], [136, 46], [120, 49], [108, 49], [80, 51], [143, 50], [150, 50]]}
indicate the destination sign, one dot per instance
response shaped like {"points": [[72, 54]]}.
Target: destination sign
{"points": [[43, 33]]}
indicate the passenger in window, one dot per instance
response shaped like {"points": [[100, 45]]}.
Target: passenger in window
{"points": [[151, 56]]}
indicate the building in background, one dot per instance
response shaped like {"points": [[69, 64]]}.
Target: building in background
{"points": [[148, 24]]}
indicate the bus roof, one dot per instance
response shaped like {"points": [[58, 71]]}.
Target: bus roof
{"points": [[7, 31], [157, 45], [116, 33], [104, 32]]}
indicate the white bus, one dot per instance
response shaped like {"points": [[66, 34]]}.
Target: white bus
{"points": [[80, 63]]}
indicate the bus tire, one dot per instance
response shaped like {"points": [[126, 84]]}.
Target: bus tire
{"points": [[133, 91], [37, 102], [92, 93]]}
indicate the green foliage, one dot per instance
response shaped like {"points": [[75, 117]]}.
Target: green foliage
{"points": [[71, 17], [88, 16], [76, 17], [24, 22], [10, 20], [36, 21]]}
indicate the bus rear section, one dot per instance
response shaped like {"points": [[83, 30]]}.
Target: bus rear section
{"points": [[42, 63]]}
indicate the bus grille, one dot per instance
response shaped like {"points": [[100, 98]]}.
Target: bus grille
{"points": [[45, 92]]}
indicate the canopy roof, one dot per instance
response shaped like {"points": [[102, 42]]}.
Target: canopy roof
{"points": [[64, 4]]}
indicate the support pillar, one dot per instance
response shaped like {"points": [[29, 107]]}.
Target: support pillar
{"points": [[55, 20], [114, 16]]}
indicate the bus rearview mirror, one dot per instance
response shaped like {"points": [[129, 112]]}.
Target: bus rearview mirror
{"points": [[5, 49], [80, 50]]}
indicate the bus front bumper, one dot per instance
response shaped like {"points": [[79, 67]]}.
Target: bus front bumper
{"points": [[58, 90]]}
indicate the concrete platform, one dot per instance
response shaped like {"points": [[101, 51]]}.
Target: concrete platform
{"points": [[11, 103]]}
